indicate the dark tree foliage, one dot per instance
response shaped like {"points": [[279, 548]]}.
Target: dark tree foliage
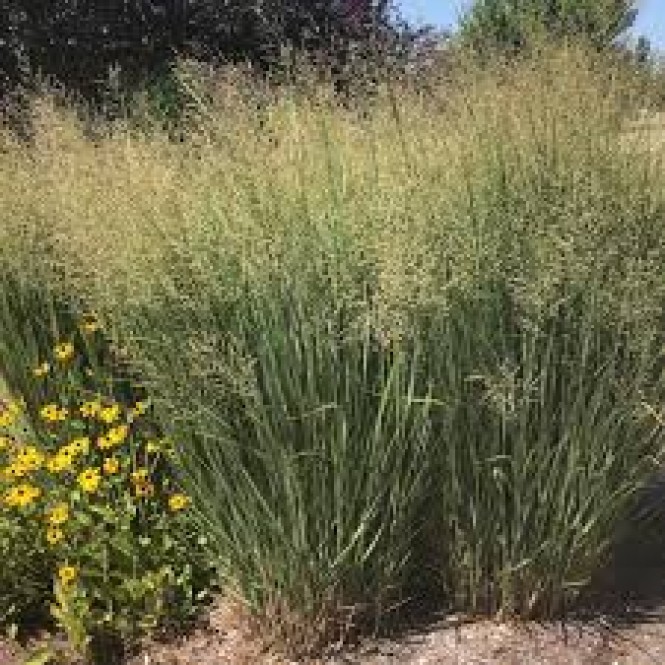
{"points": [[78, 42]]}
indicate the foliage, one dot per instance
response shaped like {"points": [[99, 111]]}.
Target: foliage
{"points": [[534, 476], [307, 460], [419, 346], [89, 496], [513, 24], [106, 50]]}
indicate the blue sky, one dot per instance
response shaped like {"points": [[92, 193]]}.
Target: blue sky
{"points": [[444, 13]]}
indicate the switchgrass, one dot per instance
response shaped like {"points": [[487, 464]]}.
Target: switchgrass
{"points": [[431, 332], [306, 451], [547, 439]]}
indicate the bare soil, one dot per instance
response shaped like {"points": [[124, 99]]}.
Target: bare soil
{"points": [[626, 627], [484, 643]]}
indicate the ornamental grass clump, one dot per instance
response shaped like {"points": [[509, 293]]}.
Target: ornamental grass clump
{"points": [[546, 343], [306, 457], [550, 432]]}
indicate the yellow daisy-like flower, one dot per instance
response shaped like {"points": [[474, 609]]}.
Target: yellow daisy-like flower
{"points": [[117, 435], [89, 480], [53, 413], [139, 409], [109, 414], [60, 462], [79, 446], [22, 495], [41, 370], [9, 410], [90, 409], [58, 515], [15, 471], [49, 412], [144, 489], [55, 464], [5, 442], [140, 476], [54, 534], [104, 443], [111, 465], [7, 418], [178, 502], [30, 458], [64, 351], [27, 451], [153, 447], [67, 574]]}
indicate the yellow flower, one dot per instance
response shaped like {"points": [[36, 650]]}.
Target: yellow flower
{"points": [[15, 471], [30, 458], [62, 461], [117, 435], [65, 457], [90, 409], [153, 447], [111, 465], [9, 410], [139, 409], [58, 515], [109, 414], [67, 574], [104, 443], [140, 476], [49, 412], [5, 442], [7, 418], [64, 351], [178, 502], [144, 489], [89, 480], [41, 370], [53, 413], [80, 446], [22, 495], [55, 464], [54, 534]]}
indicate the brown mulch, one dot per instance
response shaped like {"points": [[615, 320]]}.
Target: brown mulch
{"points": [[477, 644], [628, 628], [444, 643], [483, 643]]}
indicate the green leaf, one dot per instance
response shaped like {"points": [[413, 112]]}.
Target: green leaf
{"points": [[42, 657]]}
